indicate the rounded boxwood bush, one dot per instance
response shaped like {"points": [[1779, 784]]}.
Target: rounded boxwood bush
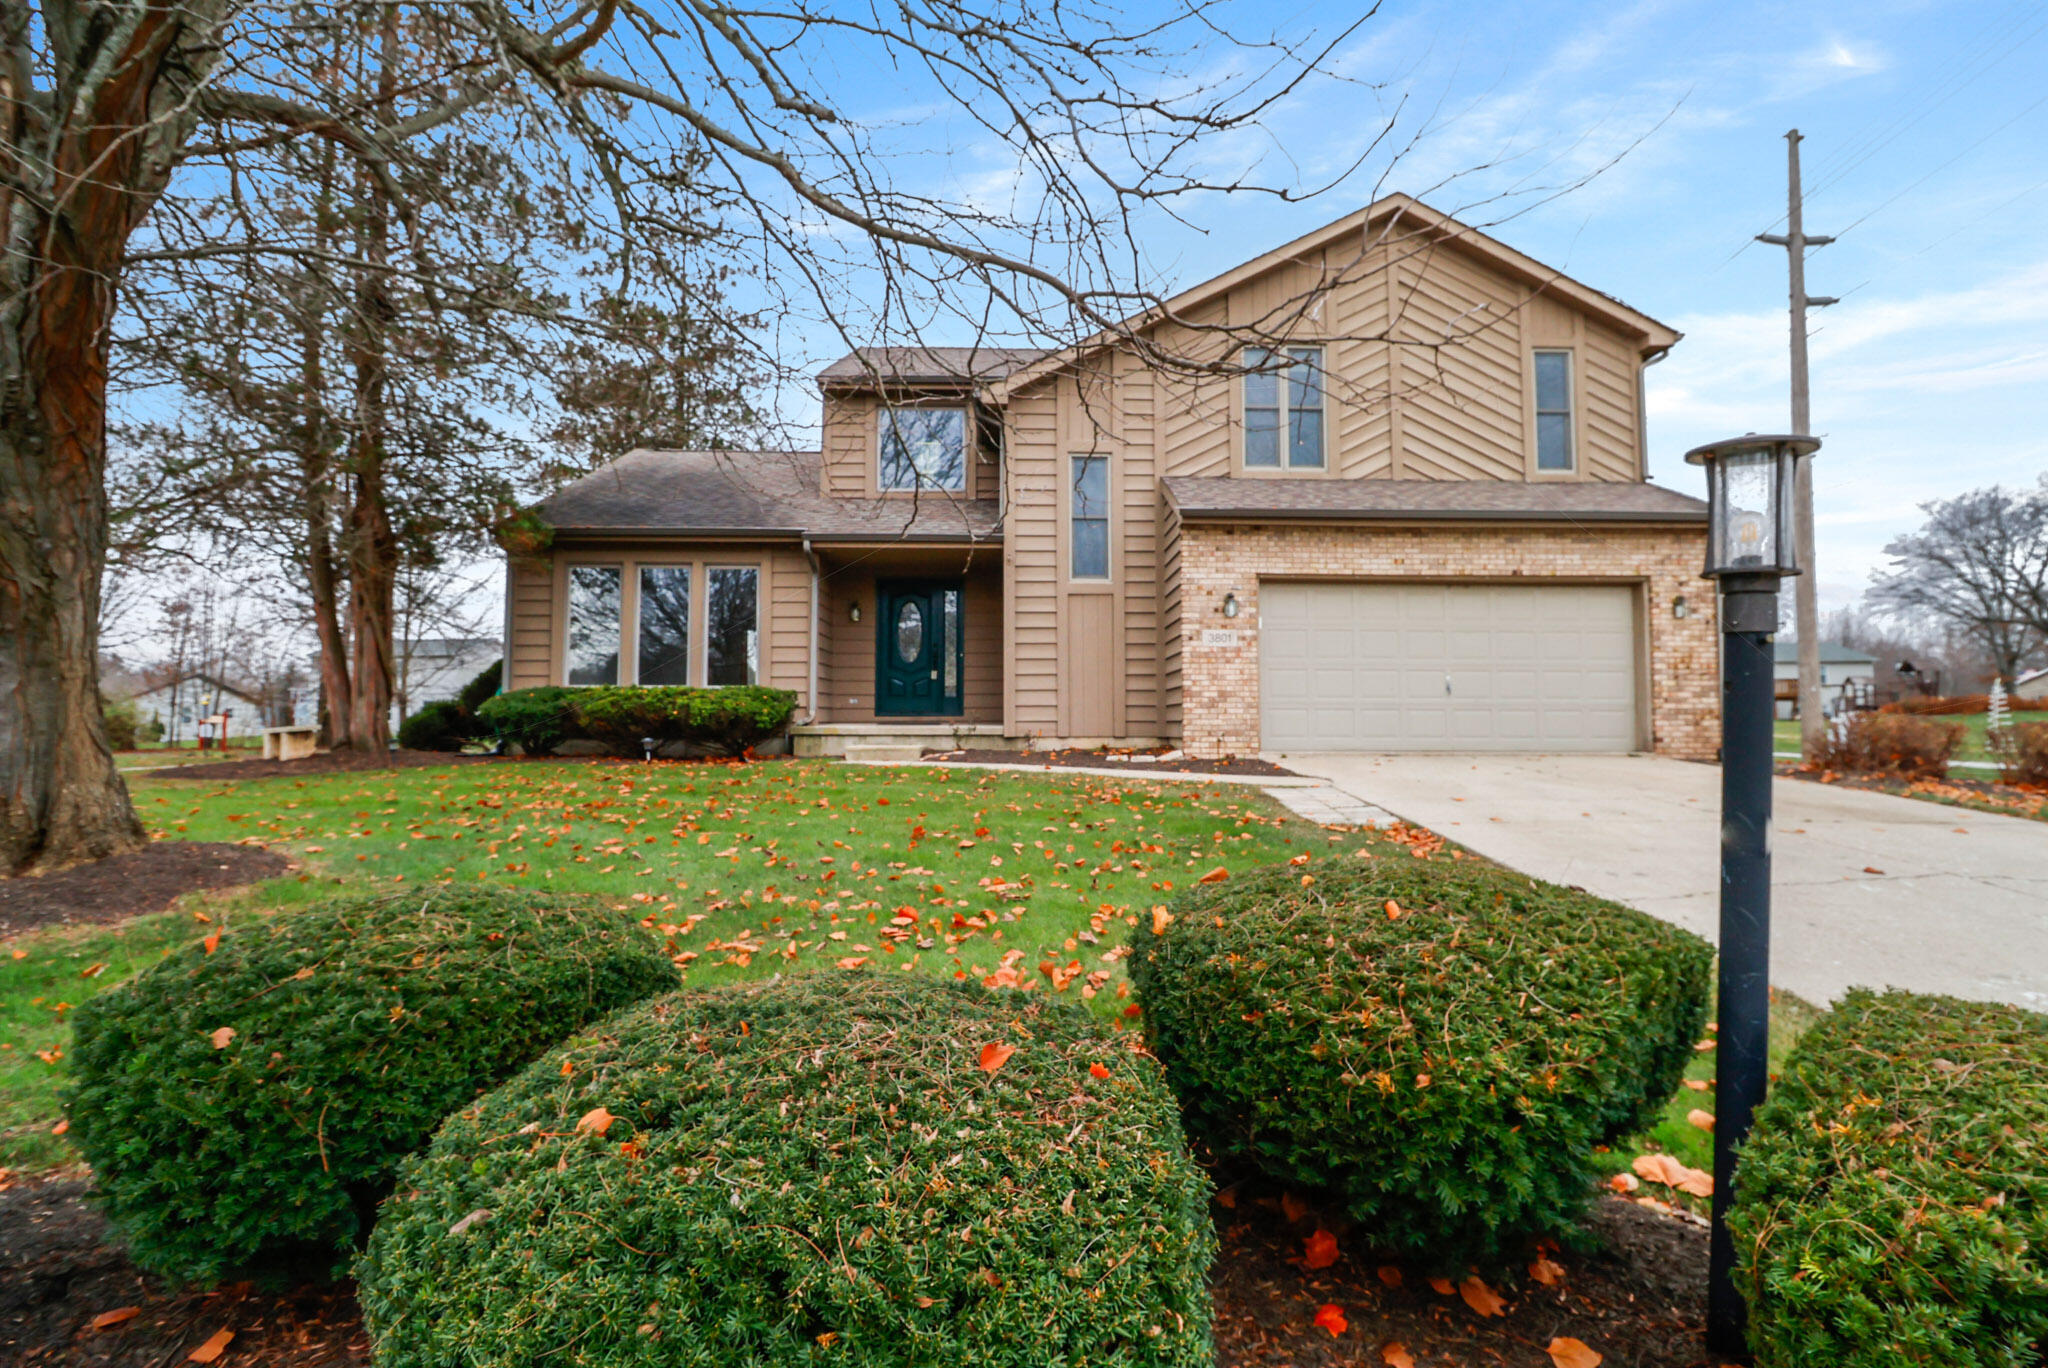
{"points": [[727, 720], [536, 720], [1891, 1205], [1437, 1044], [255, 1098], [437, 726], [819, 1169]]}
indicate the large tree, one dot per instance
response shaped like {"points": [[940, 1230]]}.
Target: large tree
{"points": [[1077, 128], [1979, 566]]}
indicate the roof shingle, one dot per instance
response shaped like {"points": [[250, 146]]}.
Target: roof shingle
{"points": [[927, 365], [1213, 498]]}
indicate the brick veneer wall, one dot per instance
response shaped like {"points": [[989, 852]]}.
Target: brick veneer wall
{"points": [[1220, 684]]}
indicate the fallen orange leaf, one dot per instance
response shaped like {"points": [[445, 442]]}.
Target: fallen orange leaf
{"points": [[1098, 1071], [1216, 875], [1624, 1182], [1161, 919], [223, 1037], [1292, 1207], [1703, 1119], [1331, 1318], [1321, 1250], [107, 1319], [596, 1121], [1567, 1352], [1443, 1287], [212, 1349], [1662, 1168], [1390, 1275], [61, 1126], [994, 1055], [1546, 1272], [1395, 1355], [212, 944], [1481, 1298]]}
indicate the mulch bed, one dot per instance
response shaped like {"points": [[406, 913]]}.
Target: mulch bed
{"points": [[325, 762], [1983, 795], [1140, 762], [1637, 1300], [124, 886]]}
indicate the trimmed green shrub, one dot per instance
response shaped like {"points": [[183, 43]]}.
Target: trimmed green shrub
{"points": [[1437, 1044], [122, 721], [484, 687], [256, 1100], [439, 726], [726, 721], [535, 720], [816, 1170], [1891, 1204]]}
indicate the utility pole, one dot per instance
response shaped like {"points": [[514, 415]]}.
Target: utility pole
{"points": [[1805, 599]]}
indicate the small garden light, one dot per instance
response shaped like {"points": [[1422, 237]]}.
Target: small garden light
{"points": [[1749, 549], [647, 745]]}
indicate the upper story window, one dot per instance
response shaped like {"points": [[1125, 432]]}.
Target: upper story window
{"points": [[1091, 518], [924, 448], [1283, 409], [1554, 410]]}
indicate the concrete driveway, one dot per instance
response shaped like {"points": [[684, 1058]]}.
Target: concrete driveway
{"points": [[1871, 890]]}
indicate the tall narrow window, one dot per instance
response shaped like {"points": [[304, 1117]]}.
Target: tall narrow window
{"points": [[664, 624], [1283, 409], [1553, 410], [924, 448], [1091, 517], [732, 626], [592, 656]]}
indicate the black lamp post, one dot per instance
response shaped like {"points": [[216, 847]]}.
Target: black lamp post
{"points": [[1749, 549]]}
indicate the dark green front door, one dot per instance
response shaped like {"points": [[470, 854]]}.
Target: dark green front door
{"points": [[920, 648]]}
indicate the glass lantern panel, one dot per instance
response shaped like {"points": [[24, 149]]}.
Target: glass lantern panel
{"points": [[1749, 515], [909, 631]]}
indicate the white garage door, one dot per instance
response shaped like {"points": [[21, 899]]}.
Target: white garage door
{"points": [[1394, 667]]}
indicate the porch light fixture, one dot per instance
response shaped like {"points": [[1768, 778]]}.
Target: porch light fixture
{"points": [[1680, 608], [853, 611], [1230, 604], [1749, 549]]}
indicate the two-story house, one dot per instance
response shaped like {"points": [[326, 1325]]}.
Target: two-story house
{"points": [[1415, 518]]}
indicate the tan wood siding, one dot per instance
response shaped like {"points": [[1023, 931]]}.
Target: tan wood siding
{"points": [[1170, 629], [530, 643], [1089, 656], [1030, 554], [846, 655]]}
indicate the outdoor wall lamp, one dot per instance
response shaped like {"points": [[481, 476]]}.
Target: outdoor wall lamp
{"points": [[1230, 604], [853, 611], [1749, 549], [1680, 608]]}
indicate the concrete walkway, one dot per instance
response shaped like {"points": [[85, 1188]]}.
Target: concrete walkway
{"points": [[1871, 890]]}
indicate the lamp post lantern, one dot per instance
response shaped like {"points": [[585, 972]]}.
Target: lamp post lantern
{"points": [[1749, 549]]}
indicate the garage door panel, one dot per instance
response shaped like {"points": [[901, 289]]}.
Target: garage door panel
{"points": [[1363, 666]]}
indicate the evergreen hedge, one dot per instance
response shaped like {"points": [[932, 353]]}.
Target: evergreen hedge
{"points": [[1892, 1202], [1438, 1044], [727, 721], [253, 1098], [535, 720], [816, 1170], [438, 726]]}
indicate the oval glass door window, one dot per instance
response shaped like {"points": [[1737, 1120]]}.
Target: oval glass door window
{"points": [[909, 631]]}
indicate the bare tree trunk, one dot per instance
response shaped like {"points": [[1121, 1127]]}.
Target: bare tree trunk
{"points": [[372, 544]]}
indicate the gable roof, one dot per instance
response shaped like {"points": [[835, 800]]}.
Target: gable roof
{"points": [[863, 366], [1223, 498], [772, 494], [1396, 209]]}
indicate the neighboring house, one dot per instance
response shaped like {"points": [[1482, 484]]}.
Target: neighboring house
{"points": [[180, 701], [1383, 546], [1844, 675], [2033, 684], [433, 669]]}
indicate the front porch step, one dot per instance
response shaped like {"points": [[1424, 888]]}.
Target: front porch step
{"points": [[884, 750], [900, 740]]}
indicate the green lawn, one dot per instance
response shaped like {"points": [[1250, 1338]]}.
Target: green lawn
{"points": [[752, 869], [1972, 747]]}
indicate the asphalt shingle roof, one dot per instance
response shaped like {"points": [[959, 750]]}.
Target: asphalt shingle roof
{"points": [[770, 493], [927, 365], [1221, 498]]}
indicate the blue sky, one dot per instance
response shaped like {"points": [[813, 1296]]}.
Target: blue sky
{"points": [[1925, 153]]}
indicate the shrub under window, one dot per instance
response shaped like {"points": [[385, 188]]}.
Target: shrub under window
{"points": [[255, 1101], [1892, 1202], [821, 1170], [1438, 1044]]}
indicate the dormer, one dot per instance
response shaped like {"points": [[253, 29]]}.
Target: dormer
{"points": [[908, 422]]}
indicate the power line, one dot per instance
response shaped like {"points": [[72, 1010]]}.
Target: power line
{"points": [[1893, 199]]}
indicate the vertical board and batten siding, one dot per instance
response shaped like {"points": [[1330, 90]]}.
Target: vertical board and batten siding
{"points": [[1429, 352], [540, 606]]}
